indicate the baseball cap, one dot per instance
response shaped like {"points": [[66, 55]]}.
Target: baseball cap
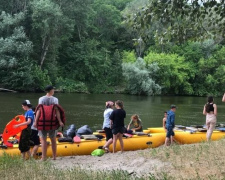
{"points": [[26, 103]]}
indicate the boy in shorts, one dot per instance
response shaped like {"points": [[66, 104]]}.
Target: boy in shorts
{"points": [[170, 124]]}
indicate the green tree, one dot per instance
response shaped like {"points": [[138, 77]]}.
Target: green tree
{"points": [[129, 57], [107, 20], [209, 77], [15, 49], [174, 73], [183, 20], [48, 24], [138, 79]]}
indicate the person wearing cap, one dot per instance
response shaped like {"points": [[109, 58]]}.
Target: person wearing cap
{"points": [[135, 123], [170, 124], [106, 125], [48, 100], [24, 143]]}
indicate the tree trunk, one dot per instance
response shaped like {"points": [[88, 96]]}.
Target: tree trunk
{"points": [[44, 51], [79, 30]]}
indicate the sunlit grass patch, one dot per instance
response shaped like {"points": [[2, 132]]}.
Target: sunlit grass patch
{"points": [[204, 160], [196, 161]]}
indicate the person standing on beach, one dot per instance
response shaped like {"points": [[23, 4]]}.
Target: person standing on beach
{"points": [[117, 124], [106, 125], [34, 138], [24, 143], [48, 100], [164, 120], [210, 110], [170, 124]]}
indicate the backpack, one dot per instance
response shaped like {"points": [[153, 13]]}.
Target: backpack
{"points": [[98, 152]]}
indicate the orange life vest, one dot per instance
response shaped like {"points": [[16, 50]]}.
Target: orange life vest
{"points": [[10, 131], [48, 119]]}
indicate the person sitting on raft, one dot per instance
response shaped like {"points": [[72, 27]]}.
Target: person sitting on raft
{"points": [[136, 124]]}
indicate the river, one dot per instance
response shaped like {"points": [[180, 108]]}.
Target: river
{"points": [[82, 109]]}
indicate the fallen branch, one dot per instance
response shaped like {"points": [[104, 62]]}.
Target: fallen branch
{"points": [[2, 89]]}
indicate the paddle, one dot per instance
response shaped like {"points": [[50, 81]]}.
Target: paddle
{"points": [[196, 129], [197, 126], [180, 126], [127, 135], [141, 134], [76, 139], [220, 129]]}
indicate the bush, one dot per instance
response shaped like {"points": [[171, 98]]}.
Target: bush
{"points": [[174, 73], [69, 85], [129, 56], [138, 79]]}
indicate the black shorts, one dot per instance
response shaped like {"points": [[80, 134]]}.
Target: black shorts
{"points": [[117, 130], [108, 133], [24, 144], [35, 138]]}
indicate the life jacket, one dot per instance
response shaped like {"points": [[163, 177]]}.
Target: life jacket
{"points": [[47, 119]]}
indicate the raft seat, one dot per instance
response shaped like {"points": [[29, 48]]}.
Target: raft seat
{"points": [[89, 137], [101, 131]]}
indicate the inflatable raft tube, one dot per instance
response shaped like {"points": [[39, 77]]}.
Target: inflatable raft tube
{"points": [[196, 137], [85, 147]]}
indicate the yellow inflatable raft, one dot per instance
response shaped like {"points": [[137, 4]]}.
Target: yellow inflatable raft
{"points": [[196, 137], [85, 147], [190, 135]]}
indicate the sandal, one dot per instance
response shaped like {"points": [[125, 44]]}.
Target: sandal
{"points": [[106, 149]]}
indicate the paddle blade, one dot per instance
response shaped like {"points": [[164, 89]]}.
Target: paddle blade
{"points": [[127, 135]]}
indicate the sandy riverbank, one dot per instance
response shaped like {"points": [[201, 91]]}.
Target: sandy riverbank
{"points": [[134, 162], [195, 161]]}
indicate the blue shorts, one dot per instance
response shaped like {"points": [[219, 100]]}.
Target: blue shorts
{"points": [[170, 132]]}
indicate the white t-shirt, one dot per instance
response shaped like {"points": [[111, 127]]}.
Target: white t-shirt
{"points": [[48, 100], [106, 115]]}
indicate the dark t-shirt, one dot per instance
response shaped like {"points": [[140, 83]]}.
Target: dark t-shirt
{"points": [[117, 117]]}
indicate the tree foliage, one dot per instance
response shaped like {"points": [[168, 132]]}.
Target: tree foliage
{"points": [[174, 72], [99, 46], [183, 20], [139, 80]]}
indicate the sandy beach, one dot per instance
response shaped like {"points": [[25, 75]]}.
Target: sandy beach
{"points": [[176, 162], [134, 162]]}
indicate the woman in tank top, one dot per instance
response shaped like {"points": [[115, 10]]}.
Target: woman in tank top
{"points": [[210, 110]]}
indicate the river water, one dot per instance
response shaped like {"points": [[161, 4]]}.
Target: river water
{"points": [[87, 109]]}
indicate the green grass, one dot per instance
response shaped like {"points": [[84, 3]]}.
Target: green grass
{"points": [[17, 169], [196, 161]]}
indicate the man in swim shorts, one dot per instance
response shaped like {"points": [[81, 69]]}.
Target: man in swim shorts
{"points": [[170, 124]]}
